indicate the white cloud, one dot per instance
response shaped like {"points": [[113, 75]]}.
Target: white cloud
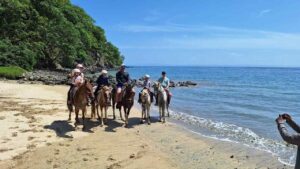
{"points": [[212, 37], [264, 12]]}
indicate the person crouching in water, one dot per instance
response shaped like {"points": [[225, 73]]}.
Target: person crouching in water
{"points": [[76, 81], [146, 85], [122, 78], [165, 83], [102, 81], [290, 138]]}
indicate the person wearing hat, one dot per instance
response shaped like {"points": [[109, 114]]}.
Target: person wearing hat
{"points": [[102, 81], [122, 78], [81, 68], [146, 85], [76, 81], [165, 83]]}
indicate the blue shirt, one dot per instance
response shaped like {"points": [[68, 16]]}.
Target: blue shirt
{"points": [[165, 82]]}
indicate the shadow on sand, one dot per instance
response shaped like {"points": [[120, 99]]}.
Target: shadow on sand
{"points": [[62, 127]]}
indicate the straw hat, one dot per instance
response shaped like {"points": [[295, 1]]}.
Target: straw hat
{"points": [[76, 71], [104, 72], [78, 66]]}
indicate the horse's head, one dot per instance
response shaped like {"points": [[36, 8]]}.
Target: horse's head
{"points": [[145, 95], [158, 87], [106, 91], [129, 93], [88, 88]]}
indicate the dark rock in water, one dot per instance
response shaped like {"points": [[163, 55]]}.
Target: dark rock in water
{"points": [[172, 84]]}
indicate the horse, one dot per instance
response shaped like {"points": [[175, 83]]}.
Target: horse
{"points": [[114, 102], [80, 100], [127, 102], [103, 100], [146, 103], [162, 101]]}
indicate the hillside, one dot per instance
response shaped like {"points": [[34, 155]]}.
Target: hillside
{"points": [[51, 33]]}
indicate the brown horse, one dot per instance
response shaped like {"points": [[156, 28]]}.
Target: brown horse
{"points": [[80, 100], [127, 102], [103, 100]]}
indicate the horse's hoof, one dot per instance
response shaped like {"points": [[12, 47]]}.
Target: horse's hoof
{"points": [[149, 123], [83, 129], [122, 119], [141, 122], [101, 125], [114, 117]]}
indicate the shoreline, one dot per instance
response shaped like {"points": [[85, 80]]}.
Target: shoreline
{"points": [[158, 145]]}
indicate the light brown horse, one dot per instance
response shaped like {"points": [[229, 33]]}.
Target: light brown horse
{"points": [[103, 100], [146, 104], [80, 100]]}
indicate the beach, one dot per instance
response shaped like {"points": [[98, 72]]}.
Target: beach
{"points": [[35, 134]]}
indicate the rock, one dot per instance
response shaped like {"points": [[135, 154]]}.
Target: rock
{"points": [[232, 156]]}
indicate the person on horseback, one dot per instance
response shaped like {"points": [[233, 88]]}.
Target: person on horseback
{"points": [[165, 83], [102, 81], [146, 85], [76, 81], [122, 78]]}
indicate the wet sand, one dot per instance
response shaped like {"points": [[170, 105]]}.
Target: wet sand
{"points": [[35, 134]]}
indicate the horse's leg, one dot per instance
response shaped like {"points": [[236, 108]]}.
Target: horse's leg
{"points": [[159, 110], [76, 117], [143, 111], [148, 113], [113, 107], [168, 104], [105, 109], [126, 117], [70, 112], [120, 109], [101, 109], [164, 113], [99, 117], [93, 113], [83, 118]]}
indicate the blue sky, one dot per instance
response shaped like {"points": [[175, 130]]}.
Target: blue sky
{"points": [[201, 32]]}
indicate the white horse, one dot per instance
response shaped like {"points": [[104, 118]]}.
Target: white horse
{"points": [[162, 101], [146, 103]]}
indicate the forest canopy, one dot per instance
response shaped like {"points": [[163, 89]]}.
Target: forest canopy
{"points": [[51, 33]]}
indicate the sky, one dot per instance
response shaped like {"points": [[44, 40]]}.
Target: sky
{"points": [[201, 32]]}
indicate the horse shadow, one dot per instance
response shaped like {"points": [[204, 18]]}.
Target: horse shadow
{"points": [[62, 127], [112, 125]]}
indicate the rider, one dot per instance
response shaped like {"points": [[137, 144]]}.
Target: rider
{"points": [[165, 83], [146, 85], [102, 81], [122, 78], [76, 81]]}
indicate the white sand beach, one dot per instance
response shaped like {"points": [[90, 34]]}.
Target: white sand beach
{"points": [[35, 134]]}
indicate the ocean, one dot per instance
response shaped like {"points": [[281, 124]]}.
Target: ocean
{"points": [[238, 104]]}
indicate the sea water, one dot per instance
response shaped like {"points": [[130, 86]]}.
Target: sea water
{"points": [[234, 103]]}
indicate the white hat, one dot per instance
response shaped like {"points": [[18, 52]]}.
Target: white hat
{"points": [[79, 66], [147, 76], [123, 65], [76, 71], [104, 71]]}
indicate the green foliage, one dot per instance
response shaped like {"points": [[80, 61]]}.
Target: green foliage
{"points": [[44, 33], [11, 72]]}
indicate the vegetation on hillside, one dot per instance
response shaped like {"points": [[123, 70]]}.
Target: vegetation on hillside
{"points": [[11, 72], [49, 33]]}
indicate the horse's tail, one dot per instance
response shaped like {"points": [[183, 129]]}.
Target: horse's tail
{"points": [[70, 106]]}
